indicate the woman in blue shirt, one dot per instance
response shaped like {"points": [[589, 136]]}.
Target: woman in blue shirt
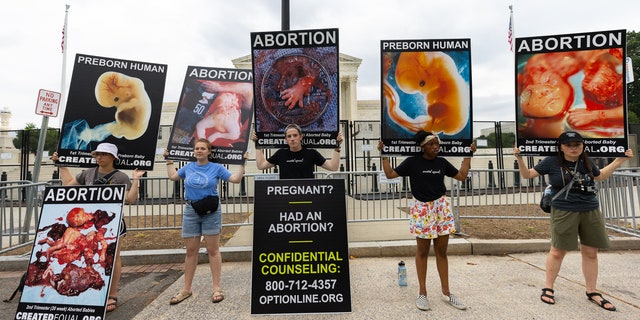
{"points": [[201, 180]]}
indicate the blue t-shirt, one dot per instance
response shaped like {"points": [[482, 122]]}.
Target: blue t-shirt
{"points": [[201, 181], [559, 176], [426, 176]]}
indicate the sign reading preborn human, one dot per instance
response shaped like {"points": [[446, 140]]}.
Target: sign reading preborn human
{"points": [[72, 257], [572, 82], [426, 85], [300, 260], [296, 81], [115, 101], [217, 105]]}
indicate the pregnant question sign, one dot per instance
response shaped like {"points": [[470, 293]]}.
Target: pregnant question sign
{"points": [[300, 260]]}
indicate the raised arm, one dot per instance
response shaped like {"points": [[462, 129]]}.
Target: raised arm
{"points": [[65, 174], [465, 166], [172, 171], [386, 165], [334, 163], [607, 171], [525, 172], [237, 177], [261, 161], [132, 194]]}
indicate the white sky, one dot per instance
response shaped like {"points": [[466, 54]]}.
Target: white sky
{"points": [[211, 33]]}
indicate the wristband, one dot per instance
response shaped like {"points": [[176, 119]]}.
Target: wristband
{"points": [[169, 163]]}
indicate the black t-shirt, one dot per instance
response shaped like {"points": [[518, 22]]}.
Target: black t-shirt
{"points": [[296, 165], [426, 176], [559, 176]]}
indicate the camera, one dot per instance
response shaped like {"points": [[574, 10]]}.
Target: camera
{"points": [[588, 189]]}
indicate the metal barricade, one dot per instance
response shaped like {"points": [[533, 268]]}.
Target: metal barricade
{"points": [[19, 212], [369, 196]]}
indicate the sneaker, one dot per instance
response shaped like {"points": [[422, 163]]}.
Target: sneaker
{"points": [[454, 301], [421, 303]]}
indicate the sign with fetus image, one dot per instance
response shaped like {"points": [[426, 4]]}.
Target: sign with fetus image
{"points": [[572, 82], [115, 101], [69, 270], [426, 85], [296, 82], [217, 105]]}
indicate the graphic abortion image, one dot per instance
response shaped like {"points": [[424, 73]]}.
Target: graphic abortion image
{"points": [[572, 82], [296, 82]]}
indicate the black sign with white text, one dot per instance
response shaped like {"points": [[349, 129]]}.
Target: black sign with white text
{"points": [[300, 260]]}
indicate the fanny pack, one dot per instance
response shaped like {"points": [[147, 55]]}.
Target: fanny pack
{"points": [[206, 205], [106, 179]]}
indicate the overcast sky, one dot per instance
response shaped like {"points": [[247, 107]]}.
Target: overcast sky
{"points": [[211, 33]]}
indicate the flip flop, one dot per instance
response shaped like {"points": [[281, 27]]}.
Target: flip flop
{"points": [[548, 296], [218, 296], [602, 302], [180, 297], [112, 305]]}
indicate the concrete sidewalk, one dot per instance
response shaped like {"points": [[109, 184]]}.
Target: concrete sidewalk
{"points": [[499, 279], [494, 287]]}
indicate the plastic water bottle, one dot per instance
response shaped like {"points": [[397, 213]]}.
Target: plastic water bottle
{"points": [[402, 274]]}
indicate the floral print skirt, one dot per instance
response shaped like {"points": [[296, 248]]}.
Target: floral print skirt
{"points": [[432, 219]]}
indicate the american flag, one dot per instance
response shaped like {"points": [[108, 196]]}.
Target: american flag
{"points": [[510, 32], [62, 43], [64, 28]]}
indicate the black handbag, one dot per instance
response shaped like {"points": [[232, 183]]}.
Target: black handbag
{"points": [[206, 205], [548, 196]]}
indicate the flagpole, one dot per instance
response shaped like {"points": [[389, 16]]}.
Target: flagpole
{"points": [[63, 74]]}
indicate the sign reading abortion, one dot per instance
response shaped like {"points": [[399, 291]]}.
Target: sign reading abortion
{"points": [[71, 264], [300, 258]]}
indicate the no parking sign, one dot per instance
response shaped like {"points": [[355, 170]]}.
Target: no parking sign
{"points": [[48, 103]]}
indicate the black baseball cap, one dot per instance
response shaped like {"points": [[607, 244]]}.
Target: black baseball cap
{"points": [[570, 136]]}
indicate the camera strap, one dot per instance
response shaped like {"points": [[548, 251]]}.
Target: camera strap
{"points": [[106, 177], [573, 178]]}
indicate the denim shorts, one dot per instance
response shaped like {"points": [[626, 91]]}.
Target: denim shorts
{"points": [[194, 225]]}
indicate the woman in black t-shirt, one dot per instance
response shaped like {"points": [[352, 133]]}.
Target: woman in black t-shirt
{"points": [[575, 212], [431, 216], [297, 162]]}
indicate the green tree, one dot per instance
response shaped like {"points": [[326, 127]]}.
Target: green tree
{"points": [[633, 88], [50, 142], [508, 139]]}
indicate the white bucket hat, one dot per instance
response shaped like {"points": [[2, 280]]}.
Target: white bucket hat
{"points": [[106, 148]]}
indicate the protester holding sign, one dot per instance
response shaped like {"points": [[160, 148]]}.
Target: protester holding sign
{"points": [[297, 162], [431, 216], [576, 212], [202, 215], [105, 173]]}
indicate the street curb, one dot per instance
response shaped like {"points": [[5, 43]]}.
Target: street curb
{"points": [[400, 248]]}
